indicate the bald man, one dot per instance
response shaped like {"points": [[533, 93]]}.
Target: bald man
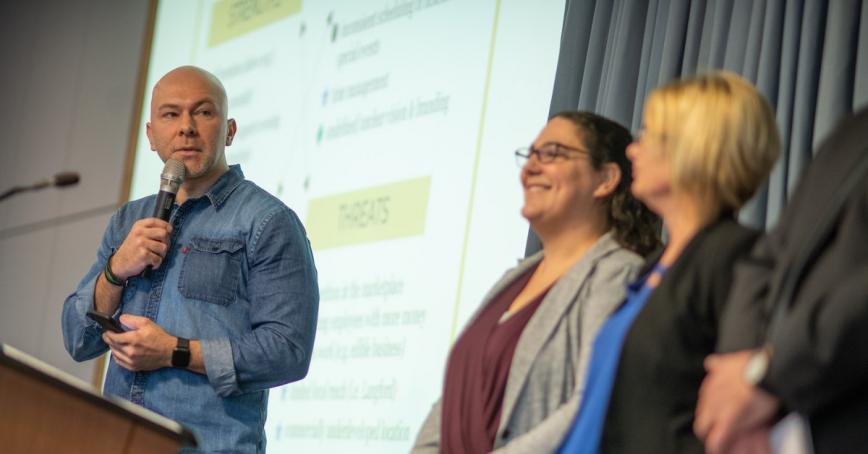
{"points": [[230, 307]]}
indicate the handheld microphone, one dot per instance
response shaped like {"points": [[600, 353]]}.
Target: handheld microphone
{"points": [[58, 180], [170, 182]]}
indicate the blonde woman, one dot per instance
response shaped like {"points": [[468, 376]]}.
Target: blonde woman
{"points": [[707, 144]]}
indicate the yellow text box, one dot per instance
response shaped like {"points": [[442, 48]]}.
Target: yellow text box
{"points": [[233, 18], [385, 212]]}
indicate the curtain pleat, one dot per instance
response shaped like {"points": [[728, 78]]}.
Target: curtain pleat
{"points": [[809, 58]]}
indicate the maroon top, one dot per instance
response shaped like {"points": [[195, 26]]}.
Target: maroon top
{"points": [[477, 371]]}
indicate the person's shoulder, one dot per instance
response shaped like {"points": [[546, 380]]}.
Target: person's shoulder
{"points": [[134, 210], [142, 202], [614, 255], [729, 232], [261, 202], [625, 257], [846, 140], [836, 158], [609, 262], [251, 191], [621, 266], [722, 244], [265, 211]]}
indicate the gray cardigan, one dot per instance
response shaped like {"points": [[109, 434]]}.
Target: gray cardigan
{"points": [[546, 377]]}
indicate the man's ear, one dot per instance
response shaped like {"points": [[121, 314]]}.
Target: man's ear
{"points": [[231, 129], [611, 177], [150, 135]]}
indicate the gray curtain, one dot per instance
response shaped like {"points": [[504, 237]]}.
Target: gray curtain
{"points": [[808, 57]]}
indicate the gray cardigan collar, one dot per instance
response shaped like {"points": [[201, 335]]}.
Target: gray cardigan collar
{"points": [[547, 316]]}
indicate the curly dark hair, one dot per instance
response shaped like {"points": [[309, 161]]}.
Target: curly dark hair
{"points": [[635, 226]]}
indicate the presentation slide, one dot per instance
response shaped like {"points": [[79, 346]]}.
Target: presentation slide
{"points": [[389, 127]]}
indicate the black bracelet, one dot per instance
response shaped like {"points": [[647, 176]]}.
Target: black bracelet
{"points": [[109, 276]]}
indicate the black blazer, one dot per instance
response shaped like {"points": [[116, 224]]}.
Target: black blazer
{"points": [[820, 362], [655, 389]]}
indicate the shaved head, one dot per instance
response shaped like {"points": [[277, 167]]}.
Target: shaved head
{"points": [[192, 74]]}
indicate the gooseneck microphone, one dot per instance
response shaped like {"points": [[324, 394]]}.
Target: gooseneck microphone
{"points": [[64, 179], [58, 180], [170, 182]]}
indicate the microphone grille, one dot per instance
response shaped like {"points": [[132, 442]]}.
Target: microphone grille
{"points": [[174, 169], [172, 176]]}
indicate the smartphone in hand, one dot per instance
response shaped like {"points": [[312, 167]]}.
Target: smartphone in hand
{"points": [[106, 321]]}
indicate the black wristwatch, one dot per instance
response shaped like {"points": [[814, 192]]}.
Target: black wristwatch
{"points": [[181, 354]]}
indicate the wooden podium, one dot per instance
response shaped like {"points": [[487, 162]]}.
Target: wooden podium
{"points": [[45, 410]]}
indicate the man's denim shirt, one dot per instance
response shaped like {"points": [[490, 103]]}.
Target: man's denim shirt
{"points": [[240, 278]]}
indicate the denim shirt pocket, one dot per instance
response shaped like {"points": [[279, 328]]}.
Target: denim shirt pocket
{"points": [[211, 270]]}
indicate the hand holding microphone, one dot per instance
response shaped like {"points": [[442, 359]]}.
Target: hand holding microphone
{"points": [[149, 239]]}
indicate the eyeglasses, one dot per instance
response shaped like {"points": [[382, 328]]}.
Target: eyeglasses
{"points": [[548, 153]]}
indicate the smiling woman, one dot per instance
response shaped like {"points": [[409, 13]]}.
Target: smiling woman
{"points": [[514, 375]]}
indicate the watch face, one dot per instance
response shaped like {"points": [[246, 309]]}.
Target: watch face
{"points": [[181, 358], [181, 354]]}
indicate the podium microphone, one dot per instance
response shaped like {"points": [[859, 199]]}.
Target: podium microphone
{"points": [[170, 182], [58, 180]]}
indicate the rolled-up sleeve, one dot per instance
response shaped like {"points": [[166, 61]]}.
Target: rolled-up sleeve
{"points": [[219, 365], [284, 301]]}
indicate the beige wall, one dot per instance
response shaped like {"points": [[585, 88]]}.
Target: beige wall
{"points": [[68, 84]]}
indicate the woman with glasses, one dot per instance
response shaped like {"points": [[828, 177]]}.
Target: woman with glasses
{"points": [[707, 145], [515, 374]]}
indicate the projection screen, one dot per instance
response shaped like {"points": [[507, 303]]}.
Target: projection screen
{"points": [[389, 128]]}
